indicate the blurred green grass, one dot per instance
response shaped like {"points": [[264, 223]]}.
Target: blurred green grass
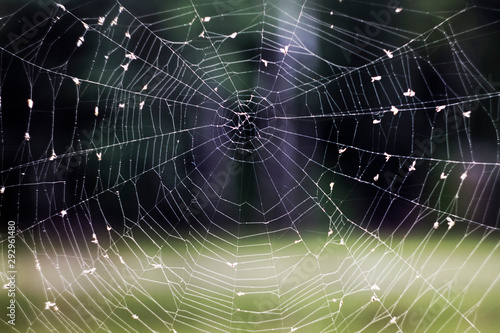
{"points": [[275, 287]]}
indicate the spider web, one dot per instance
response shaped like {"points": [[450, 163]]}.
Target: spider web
{"points": [[251, 166]]}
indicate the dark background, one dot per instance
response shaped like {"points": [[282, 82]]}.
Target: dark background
{"points": [[172, 195]]}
